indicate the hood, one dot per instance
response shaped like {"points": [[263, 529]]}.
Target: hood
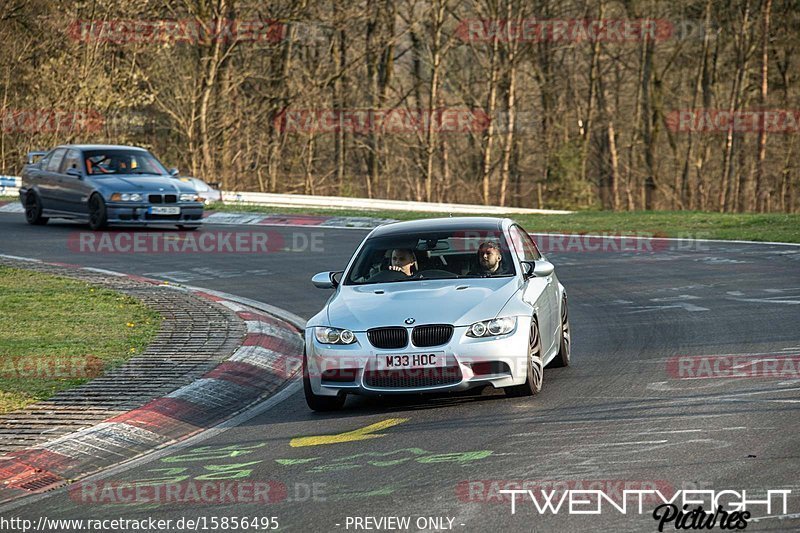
{"points": [[134, 183], [459, 302]]}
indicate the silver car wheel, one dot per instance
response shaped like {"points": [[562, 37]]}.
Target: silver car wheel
{"points": [[534, 370]]}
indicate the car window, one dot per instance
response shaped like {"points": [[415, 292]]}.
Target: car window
{"points": [[44, 161], [434, 255], [121, 161], [55, 161], [523, 244], [72, 160]]}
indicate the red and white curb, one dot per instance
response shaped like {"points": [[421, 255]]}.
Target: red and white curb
{"points": [[255, 371], [322, 221]]}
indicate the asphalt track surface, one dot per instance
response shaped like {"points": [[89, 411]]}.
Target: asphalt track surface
{"points": [[616, 415]]}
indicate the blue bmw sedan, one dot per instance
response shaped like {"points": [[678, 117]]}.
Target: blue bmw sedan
{"points": [[105, 185]]}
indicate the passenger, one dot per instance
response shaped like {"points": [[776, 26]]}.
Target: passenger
{"points": [[403, 260]]}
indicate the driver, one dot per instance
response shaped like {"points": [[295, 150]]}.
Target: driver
{"points": [[404, 260], [490, 259]]}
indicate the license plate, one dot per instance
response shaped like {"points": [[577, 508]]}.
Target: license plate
{"points": [[164, 210], [411, 360]]}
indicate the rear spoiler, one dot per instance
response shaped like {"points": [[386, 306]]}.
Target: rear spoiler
{"points": [[33, 157]]}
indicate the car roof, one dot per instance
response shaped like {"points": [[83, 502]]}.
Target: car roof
{"points": [[440, 224], [101, 147]]}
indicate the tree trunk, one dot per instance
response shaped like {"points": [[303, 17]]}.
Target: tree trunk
{"points": [[649, 186], [488, 137], [761, 188], [726, 199], [439, 12], [372, 94], [614, 174], [209, 87], [593, 69], [511, 107], [339, 58]]}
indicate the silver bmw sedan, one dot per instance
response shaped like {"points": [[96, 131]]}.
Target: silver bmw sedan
{"points": [[437, 305]]}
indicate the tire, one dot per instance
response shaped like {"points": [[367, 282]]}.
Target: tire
{"points": [[533, 383], [34, 209], [316, 402], [187, 228], [98, 216], [562, 358]]}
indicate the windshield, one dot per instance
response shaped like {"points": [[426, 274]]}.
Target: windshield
{"points": [[441, 255], [110, 162]]}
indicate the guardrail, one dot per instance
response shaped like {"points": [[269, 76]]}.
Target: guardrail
{"points": [[9, 186]]}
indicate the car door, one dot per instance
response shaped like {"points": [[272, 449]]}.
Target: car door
{"points": [[49, 186], [546, 289], [33, 174], [74, 190]]}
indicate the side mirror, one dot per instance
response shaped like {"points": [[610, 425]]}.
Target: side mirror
{"points": [[539, 269], [326, 280], [74, 172], [173, 172]]}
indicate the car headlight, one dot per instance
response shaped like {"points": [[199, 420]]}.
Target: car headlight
{"points": [[334, 335], [190, 197], [492, 328], [126, 197]]}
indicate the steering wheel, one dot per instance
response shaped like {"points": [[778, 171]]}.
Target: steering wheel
{"points": [[436, 274], [387, 275]]}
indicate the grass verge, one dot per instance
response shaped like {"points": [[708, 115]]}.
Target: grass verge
{"points": [[57, 333]]}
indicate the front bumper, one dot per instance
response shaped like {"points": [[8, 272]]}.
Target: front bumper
{"points": [[128, 213], [354, 369]]}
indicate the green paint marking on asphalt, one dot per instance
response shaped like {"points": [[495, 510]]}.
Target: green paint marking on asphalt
{"points": [[458, 457], [388, 463], [204, 453], [289, 462], [170, 475], [419, 455], [382, 491], [234, 471]]}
